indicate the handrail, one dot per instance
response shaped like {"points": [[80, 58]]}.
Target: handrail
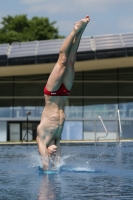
{"points": [[96, 139], [119, 119]]}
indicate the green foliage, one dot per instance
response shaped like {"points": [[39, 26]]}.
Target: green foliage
{"points": [[19, 28]]}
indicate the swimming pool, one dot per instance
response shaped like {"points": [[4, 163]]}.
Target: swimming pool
{"points": [[86, 172]]}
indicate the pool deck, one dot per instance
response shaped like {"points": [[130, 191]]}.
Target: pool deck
{"points": [[67, 142]]}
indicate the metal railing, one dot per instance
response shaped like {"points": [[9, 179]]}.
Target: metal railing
{"points": [[119, 132], [97, 138]]}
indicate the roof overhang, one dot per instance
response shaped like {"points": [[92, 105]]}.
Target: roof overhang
{"points": [[79, 66]]}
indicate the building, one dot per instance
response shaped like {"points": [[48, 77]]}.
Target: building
{"points": [[103, 85]]}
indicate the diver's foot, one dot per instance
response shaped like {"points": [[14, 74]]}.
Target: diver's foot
{"points": [[81, 24]]}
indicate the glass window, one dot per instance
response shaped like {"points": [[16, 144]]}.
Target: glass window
{"points": [[89, 130], [73, 130], [100, 107], [100, 83], [89, 126], [126, 74], [126, 89], [30, 85], [28, 89], [5, 108], [110, 125], [73, 108], [95, 128], [6, 112], [39, 77], [126, 107], [100, 89], [79, 76], [77, 89], [6, 86], [127, 129], [21, 106], [6, 89], [103, 75]]}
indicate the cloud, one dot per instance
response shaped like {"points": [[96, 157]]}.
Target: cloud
{"points": [[104, 14], [107, 16], [73, 5], [32, 1], [50, 8]]}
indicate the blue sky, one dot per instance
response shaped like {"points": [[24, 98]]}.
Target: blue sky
{"points": [[107, 16]]}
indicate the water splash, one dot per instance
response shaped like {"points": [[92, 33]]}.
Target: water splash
{"points": [[63, 166], [76, 169], [34, 159]]}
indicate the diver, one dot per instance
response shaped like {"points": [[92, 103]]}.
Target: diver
{"points": [[56, 92]]}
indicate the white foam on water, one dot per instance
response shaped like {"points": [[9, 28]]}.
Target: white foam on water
{"points": [[57, 166], [35, 161], [78, 169], [64, 167], [63, 160]]}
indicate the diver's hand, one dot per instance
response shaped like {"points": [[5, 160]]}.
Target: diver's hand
{"points": [[51, 150]]}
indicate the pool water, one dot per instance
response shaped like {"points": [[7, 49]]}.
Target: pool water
{"points": [[85, 172]]}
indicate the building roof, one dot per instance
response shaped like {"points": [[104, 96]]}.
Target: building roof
{"points": [[46, 51]]}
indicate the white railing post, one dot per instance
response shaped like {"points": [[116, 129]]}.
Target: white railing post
{"points": [[96, 139], [119, 120]]}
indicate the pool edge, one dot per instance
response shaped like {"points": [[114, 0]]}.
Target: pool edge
{"points": [[67, 142]]}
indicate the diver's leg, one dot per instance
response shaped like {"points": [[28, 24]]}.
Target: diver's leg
{"points": [[70, 72], [56, 76]]}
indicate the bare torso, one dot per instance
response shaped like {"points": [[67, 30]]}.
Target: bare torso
{"points": [[52, 120], [50, 128]]}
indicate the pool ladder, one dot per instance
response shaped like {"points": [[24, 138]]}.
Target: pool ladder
{"points": [[97, 138], [119, 133]]}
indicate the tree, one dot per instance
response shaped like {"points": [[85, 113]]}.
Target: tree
{"points": [[20, 28]]}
